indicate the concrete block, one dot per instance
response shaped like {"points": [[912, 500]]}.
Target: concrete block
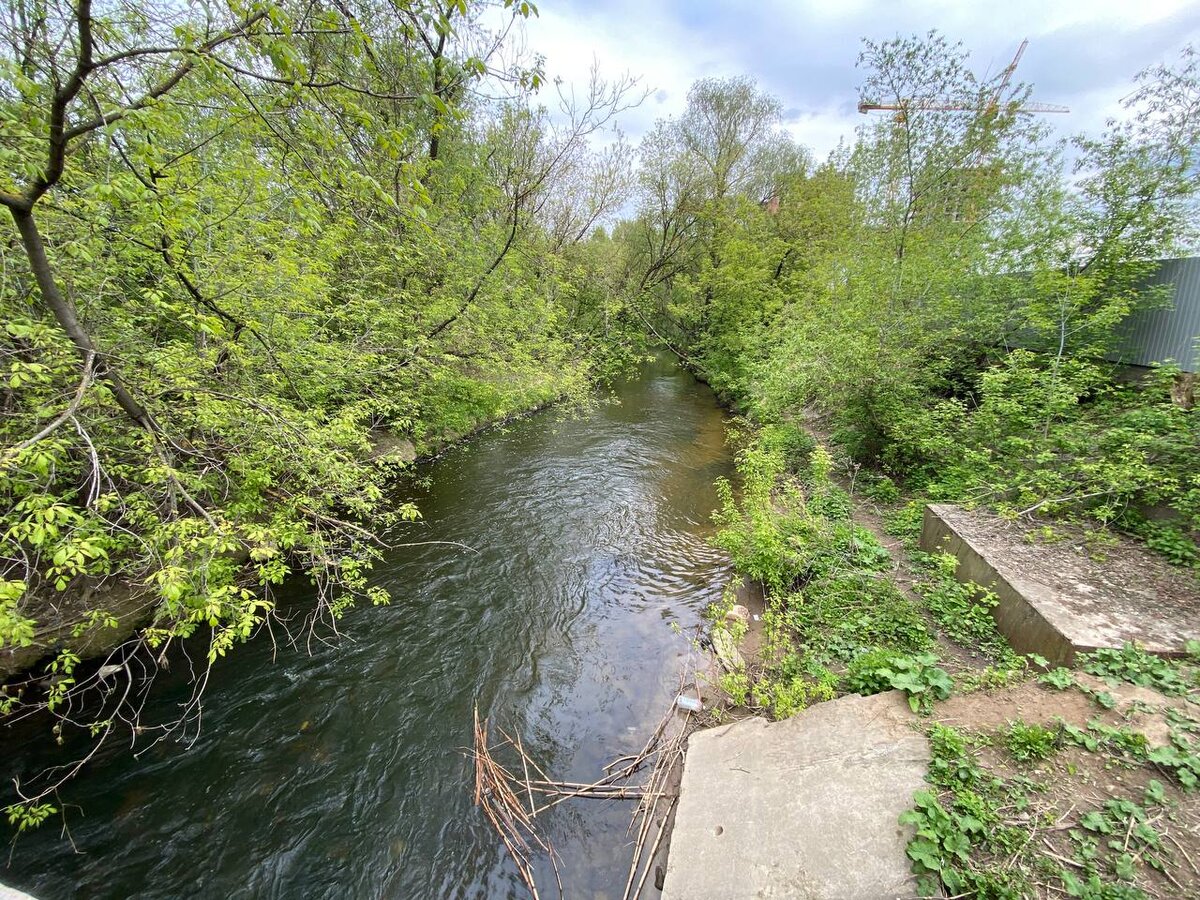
{"points": [[1055, 600], [803, 809]]}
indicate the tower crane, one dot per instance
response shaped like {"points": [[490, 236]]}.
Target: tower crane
{"points": [[903, 106]]}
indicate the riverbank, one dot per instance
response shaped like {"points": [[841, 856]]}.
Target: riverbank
{"points": [[1022, 791], [65, 618]]}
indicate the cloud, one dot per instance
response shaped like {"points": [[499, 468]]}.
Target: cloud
{"points": [[1082, 53]]}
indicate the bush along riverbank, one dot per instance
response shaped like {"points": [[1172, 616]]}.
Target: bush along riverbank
{"points": [[1043, 783], [958, 326], [225, 285]]}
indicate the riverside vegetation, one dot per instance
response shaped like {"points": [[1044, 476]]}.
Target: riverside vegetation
{"points": [[253, 244], [943, 297]]}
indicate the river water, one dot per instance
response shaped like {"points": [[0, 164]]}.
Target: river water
{"points": [[338, 772]]}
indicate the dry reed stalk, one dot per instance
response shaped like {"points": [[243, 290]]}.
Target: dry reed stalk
{"points": [[498, 792]]}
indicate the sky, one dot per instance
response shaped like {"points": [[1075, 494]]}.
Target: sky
{"points": [[1082, 53]]}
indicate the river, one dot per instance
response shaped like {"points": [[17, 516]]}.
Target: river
{"points": [[337, 771]]}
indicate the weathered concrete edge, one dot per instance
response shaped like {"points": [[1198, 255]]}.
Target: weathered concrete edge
{"points": [[1017, 618], [7, 893], [696, 787], [1027, 630]]}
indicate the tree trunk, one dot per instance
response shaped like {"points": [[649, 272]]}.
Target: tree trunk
{"points": [[64, 313]]}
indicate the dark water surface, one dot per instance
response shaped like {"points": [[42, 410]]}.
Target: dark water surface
{"points": [[340, 774]]}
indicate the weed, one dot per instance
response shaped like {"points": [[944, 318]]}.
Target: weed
{"points": [[1121, 744], [879, 488], [976, 837], [942, 843], [965, 610], [737, 686], [1134, 665], [1058, 678], [1028, 743], [786, 692], [794, 445], [905, 521], [1181, 758], [1172, 542], [917, 676], [952, 766]]}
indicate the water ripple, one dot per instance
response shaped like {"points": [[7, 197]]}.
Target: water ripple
{"points": [[341, 774]]}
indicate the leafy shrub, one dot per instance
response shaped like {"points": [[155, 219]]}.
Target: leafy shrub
{"points": [[918, 676], [737, 686], [766, 531], [871, 672], [793, 444], [793, 684], [880, 488], [831, 502]]}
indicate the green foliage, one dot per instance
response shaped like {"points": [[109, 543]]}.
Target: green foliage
{"points": [[879, 488], [318, 243], [786, 689], [737, 686], [23, 816], [906, 521], [917, 676], [1060, 678], [964, 610], [1120, 743], [768, 529], [941, 847], [1135, 666], [1115, 838], [829, 600], [967, 824], [15, 629], [1172, 542], [942, 290], [977, 836], [791, 442], [1181, 758], [1029, 743]]}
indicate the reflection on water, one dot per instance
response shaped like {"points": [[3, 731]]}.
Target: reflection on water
{"points": [[341, 773]]}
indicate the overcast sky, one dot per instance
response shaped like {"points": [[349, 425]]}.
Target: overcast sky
{"points": [[1082, 53]]}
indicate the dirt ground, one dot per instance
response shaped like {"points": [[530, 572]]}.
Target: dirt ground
{"points": [[1075, 781]]}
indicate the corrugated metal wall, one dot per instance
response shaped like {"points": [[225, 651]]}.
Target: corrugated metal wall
{"points": [[1155, 335]]}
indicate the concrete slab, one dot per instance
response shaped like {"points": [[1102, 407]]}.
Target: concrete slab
{"points": [[803, 809], [7, 893], [1058, 600]]}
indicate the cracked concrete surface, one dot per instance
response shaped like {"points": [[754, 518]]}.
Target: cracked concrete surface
{"points": [[804, 809]]}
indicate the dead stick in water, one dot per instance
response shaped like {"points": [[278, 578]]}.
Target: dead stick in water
{"points": [[528, 786], [584, 795], [662, 829]]}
